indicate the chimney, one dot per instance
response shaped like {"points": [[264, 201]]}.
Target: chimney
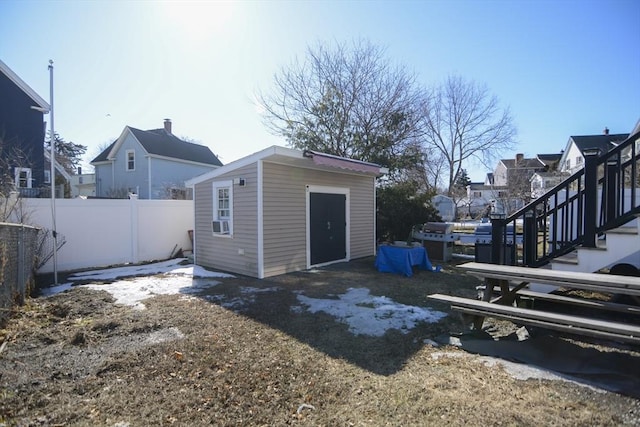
{"points": [[167, 125], [519, 158], [606, 131]]}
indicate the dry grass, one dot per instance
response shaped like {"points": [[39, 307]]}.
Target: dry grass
{"points": [[78, 359]]}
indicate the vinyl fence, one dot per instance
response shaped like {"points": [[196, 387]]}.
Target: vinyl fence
{"points": [[103, 232]]}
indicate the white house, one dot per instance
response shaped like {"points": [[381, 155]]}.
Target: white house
{"points": [[572, 158]]}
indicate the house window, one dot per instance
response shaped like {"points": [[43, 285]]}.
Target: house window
{"points": [[47, 177], [222, 208], [578, 160], [23, 177], [131, 160], [477, 194]]}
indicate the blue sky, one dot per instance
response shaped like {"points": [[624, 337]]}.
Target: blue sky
{"points": [[563, 67]]}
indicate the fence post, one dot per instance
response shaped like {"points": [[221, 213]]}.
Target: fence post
{"points": [[611, 195], [134, 235], [590, 196]]}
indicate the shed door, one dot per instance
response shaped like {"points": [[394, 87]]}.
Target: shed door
{"points": [[327, 227]]}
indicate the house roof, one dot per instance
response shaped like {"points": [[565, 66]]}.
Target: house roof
{"points": [[522, 164], [296, 158], [604, 142], [549, 158], [159, 142], [4, 68]]}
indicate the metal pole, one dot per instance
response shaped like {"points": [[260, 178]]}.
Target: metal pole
{"points": [[52, 136]]}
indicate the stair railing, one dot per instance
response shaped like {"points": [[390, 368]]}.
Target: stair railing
{"points": [[601, 196]]}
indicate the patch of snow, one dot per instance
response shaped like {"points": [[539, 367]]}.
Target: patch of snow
{"points": [[46, 292], [519, 371], [370, 315], [134, 290], [172, 266], [144, 281]]}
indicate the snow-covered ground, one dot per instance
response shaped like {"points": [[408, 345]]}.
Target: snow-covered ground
{"points": [[367, 314], [131, 285]]}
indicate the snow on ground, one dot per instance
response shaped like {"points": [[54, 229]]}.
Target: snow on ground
{"points": [[172, 266], [370, 315], [144, 281], [365, 314]]}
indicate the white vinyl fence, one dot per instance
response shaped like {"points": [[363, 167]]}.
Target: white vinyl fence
{"points": [[102, 232]]}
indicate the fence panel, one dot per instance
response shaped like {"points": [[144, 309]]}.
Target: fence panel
{"points": [[102, 232]]}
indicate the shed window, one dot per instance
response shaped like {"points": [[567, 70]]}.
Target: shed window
{"points": [[222, 208], [131, 160]]}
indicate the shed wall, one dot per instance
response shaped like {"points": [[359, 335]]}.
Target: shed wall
{"points": [[239, 253], [285, 228]]}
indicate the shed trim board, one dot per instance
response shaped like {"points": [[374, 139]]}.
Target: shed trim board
{"points": [[260, 215], [347, 212]]}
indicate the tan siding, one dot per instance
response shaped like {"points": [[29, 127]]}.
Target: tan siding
{"points": [[285, 214], [220, 252]]}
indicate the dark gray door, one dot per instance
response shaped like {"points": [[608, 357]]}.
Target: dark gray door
{"points": [[328, 227]]}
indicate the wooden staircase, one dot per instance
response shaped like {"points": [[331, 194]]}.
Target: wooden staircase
{"points": [[586, 223]]}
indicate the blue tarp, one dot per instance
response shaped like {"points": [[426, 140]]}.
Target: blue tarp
{"points": [[402, 259]]}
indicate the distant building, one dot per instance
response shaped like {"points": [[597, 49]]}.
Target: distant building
{"points": [[572, 158], [83, 184], [154, 164]]}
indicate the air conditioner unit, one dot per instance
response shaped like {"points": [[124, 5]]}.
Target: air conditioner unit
{"points": [[220, 227]]}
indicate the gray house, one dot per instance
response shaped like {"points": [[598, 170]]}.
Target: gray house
{"points": [[154, 164], [281, 210]]}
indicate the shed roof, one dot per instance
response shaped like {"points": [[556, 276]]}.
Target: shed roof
{"points": [[297, 158], [523, 164]]}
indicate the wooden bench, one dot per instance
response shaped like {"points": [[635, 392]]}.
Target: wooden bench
{"points": [[511, 281], [581, 302], [524, 275], [562, 322]]}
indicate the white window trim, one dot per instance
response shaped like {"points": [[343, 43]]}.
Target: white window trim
{"points": [[126, 160], [217, 185], [47, 176], [17, 172]]}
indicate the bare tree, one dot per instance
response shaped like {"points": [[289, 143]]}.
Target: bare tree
{"points": [[462, 121], [348, 100], [12, 208]]}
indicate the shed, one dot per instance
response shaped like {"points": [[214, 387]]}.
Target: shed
{"points": [[281, 210]]}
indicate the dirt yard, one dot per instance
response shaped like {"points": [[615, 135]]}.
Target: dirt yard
{"points": [[247, 352]]}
